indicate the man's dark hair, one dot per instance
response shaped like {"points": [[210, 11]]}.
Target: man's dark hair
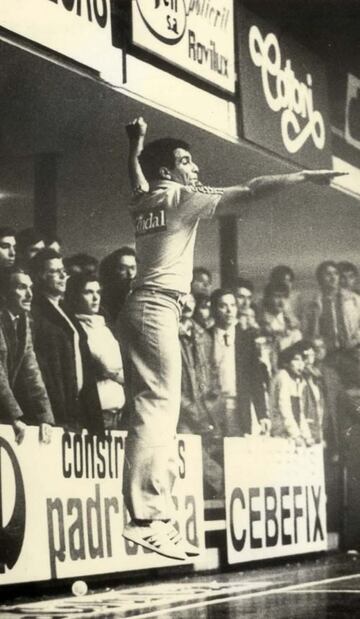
{"points": [[201, 271], [52, 238], [347, 267], [279, 272], [7, 231], [241, 282], [158, 154], [109, 263], [74, 286], [319, 273], [27, 237], [37, 263], [216, 296], [5, 279]]}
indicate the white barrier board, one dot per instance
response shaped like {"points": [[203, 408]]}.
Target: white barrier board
{"points": [[61, 507], [275, 499]]}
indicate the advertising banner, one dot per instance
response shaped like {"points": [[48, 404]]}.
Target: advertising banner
{"points": [[352, 111], [283, 103], [78, 29], [275, 499], [61, 507], [195, 35]]}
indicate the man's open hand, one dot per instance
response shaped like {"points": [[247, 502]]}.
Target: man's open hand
{"points": [[322, 177], [19, 430], [136, 129]]}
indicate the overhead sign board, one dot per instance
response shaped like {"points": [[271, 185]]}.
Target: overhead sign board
{"points": [[62, 511], [78, 29], [278, 507], [283, 94], [352, 111], [195, 35]]}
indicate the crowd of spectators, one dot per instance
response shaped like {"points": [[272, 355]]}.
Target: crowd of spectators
{"points": [[276, 366]]}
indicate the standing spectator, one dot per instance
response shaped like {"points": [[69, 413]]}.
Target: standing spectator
{"points": [[202, 312], [200, 408], [244, 291], [333, 315], [7, 248], [287, 414], [348, 276], [280, 328], [117, 273], [23, 397], [313, 393], [201, 281], [53, 242], [28, 243], [82, 298], [283, 275], [62, 349]]}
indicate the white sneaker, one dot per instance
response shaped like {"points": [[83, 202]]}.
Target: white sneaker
{"points": [[159, 536]]}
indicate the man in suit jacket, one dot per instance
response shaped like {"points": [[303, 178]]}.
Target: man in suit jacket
{"points": [[62, 350], [23, 396]]}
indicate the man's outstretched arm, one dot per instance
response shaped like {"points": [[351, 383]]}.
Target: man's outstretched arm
{"points": [[234, 196], [136, 131]]}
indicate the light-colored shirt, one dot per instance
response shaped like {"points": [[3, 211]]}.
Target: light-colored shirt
{"points": [[224, 354], [166, 220]]}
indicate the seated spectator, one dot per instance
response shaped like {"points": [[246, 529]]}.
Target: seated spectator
{"points": [[244, 291], [201, 282], [242, 377], [200, 410], [313, 393], [117, 273], [287, 414], [23, 397], [62, 350], [28, 243], [281, 328], [334, 314], [348, 276], [202, 312], [81, 264], [283, 276], [83, 299]]}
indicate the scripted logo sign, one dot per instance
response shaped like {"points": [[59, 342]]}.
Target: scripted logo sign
{"points": [[166, 19], [285, 94], [283, 98]]}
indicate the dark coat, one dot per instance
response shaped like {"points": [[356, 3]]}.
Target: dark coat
{"points": [[22, 391], [251, 378], [54, 347]]}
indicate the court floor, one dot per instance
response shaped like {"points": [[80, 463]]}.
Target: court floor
{"points": [[322, 587]]}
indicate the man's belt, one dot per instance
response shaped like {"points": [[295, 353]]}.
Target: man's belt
{"points": [[173, 294]]}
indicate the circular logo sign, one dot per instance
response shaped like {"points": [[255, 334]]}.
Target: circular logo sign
{"points": [[166, 19]]}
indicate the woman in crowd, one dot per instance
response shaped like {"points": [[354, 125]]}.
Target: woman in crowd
{"points": [[83, 298]]}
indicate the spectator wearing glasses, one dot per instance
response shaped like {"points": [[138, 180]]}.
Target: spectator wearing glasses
{"points": [[62, 349]]}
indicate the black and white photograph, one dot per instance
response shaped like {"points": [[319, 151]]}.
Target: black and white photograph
{"points": [[179, 309]]}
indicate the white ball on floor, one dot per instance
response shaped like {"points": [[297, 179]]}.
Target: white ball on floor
{"points": [[79, 587]]}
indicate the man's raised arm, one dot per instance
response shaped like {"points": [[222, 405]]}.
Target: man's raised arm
{"points": [[136, 131], [234, 196]]}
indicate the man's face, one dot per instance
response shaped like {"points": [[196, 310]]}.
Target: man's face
{"points": [[244, 299], [188, 307], [34, 249], [277, 301], [330, 279], [296, 366], [20, 294], [226, 311], [126, 268], [185, 170], [319, 349], [7, 251], [203, 311], [348, 280], [309, 357], [201, 284], [54, 277], [90, 298]]}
